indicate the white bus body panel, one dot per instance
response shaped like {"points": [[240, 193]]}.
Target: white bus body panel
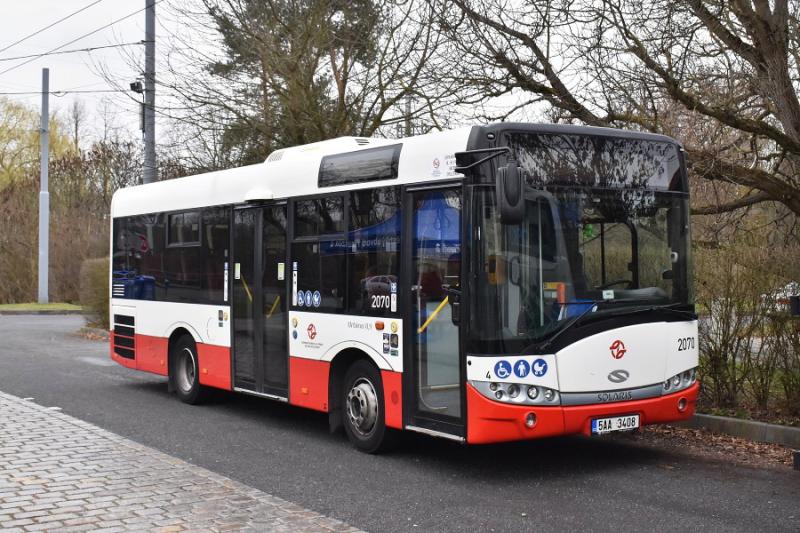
{"points": [[424, 158], [651, 356], [321, 336], [160, 319]]}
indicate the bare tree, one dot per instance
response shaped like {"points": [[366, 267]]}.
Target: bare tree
{"points": [[721, 76], [76, 116], [255, 76]]}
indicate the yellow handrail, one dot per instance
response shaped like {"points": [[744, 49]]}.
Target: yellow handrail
{"points": [[436, 311], [274, 305], [247, 290]]}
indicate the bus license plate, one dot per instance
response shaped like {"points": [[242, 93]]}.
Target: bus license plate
{"points": [[614, 423]]}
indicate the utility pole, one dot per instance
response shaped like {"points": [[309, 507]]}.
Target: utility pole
{"points": [[149, 174], [44, 195]]}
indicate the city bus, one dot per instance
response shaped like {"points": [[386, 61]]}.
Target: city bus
{"points": [[491, 283]]}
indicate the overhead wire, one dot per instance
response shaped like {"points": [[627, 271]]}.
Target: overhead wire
{"points": [[37, 32], [62, 93], [37, 56], [73, 51]]}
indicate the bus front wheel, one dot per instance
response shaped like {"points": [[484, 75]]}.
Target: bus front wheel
{"points": [[363, 408], [185, 371]]}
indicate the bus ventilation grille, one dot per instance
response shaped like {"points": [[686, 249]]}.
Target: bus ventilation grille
{"points": [[362, 142], [124, 336], [118, 290], [275, 156]]}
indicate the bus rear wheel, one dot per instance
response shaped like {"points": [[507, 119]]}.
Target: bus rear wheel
{"points": [[363, 408], [185, 371]]}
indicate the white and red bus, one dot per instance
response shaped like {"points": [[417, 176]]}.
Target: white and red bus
{"points": [[485, 284]]}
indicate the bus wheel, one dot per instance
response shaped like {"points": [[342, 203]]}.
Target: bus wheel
{"points": [[363, 406], [184, 371]]}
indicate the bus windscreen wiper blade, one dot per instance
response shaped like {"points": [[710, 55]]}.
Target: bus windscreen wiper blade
{"points": [[567, 326], [649, 309]]}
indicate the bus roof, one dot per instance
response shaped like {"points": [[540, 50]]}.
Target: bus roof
{"points": [[292, 172], [295, 171]]}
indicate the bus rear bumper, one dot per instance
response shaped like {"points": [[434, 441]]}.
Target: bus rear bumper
{"points": [[490, 421]]}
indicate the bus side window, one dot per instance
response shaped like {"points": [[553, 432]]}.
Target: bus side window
{"points": [[373, 248]]}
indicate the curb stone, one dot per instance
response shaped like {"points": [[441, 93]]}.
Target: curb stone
{"points": [[747, 429]]}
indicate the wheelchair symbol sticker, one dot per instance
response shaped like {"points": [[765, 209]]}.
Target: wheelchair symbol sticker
{"points": [[502, 369]]}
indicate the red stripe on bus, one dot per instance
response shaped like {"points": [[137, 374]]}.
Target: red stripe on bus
{"points": [[308, 383], [215, 365], [393, 398], [129, 363], [151, 354], [491, 421], [577, 419]]}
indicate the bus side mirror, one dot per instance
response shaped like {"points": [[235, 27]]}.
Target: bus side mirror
{"points": [[510, 193]]}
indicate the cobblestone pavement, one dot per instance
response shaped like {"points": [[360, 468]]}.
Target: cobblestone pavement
{"points": [[58, 473]]}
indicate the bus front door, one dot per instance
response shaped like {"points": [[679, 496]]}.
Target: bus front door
{"points": [[434, 364], [260, 343]]}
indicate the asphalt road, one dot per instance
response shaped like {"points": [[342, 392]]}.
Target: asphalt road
{"points": [[576, 483]]}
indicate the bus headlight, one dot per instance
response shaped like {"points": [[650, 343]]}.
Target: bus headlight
{"points": [[681, 381], [515, 393]]}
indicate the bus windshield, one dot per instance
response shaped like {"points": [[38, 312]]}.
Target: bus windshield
{"points": [[579, 250]]}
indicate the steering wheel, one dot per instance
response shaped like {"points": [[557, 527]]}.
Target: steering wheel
{"points": [[616, 282]]}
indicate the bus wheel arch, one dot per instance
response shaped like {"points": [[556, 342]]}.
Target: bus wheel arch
{"points": [[183, 365], [339, 366], [357, 403]]}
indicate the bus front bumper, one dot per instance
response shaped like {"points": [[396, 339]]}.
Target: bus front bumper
{"points": [[490, 421]]}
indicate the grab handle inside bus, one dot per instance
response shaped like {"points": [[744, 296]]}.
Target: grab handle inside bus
{"points": [[454, 299]]}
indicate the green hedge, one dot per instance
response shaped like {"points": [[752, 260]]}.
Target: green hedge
{"points": [[94, 291]]}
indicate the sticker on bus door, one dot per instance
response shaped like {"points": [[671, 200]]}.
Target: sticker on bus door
{"points": [[294, 283], [225, 284]]}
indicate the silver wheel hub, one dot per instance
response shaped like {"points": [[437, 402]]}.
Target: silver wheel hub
{"points": [[362, 406], [186, 370]]}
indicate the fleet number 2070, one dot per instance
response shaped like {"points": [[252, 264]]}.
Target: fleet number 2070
{"points": [[686, 343]]}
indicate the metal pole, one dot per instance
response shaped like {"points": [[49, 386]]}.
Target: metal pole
{"points": [[149, 174], [44, 195]]}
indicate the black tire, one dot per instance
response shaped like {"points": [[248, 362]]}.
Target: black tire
{"points": [[184, 371], [363, 409]]}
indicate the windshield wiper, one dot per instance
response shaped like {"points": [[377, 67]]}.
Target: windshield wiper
{"points": [[567, 326]]}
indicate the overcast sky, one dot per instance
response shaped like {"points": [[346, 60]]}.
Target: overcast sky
{"points": [[79, 71]]}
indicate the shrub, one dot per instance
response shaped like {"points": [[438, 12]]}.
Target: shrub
{"points": [[94, 291], [749, 345]]}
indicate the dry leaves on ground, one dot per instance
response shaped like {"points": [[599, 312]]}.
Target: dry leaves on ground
{"points": [[710, 444]]}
